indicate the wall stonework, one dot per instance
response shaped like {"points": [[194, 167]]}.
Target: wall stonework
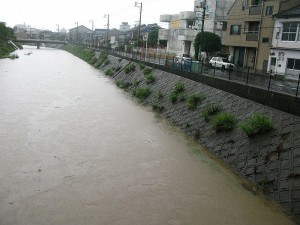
{"points": [[271, 160]]}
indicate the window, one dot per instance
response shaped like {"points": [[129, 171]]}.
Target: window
{"points": [[265, 40], [273, 61], [257, 2], [235, 29], [289, 32], [224, 25], [269, 10], [293, 64]]}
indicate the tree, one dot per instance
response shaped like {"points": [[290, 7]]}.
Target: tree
{"points": [[6, 33], [211, 43], [152, 38]]}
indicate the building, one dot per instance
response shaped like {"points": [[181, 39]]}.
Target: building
{"points": [[284, 57], [183, 27], [79, 34], [249, 31], [124, 27]]}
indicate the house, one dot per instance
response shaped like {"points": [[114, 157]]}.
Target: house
{"points": [[284, 57], [250, 29], [183, 27], [79, 34]]}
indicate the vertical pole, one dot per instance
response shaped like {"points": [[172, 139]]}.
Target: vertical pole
{"points": [[248, 75], [269, 82], [229, 74], [215, 69], [77, 33], [202, 29], [298, 85]]}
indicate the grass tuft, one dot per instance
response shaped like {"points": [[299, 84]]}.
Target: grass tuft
{"points": [[257, 124], [223, 121]]}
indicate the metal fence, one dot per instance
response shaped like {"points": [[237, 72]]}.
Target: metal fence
{"points": [[248, 76]]}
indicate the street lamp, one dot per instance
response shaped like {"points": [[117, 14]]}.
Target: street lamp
{"points": [[107, 16], [140, 6]]}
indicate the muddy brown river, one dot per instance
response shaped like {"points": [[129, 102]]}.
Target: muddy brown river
{"points": [[76, 150]]}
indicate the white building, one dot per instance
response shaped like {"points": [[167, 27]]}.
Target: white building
{"points": [[124, 27], [183, 27], [284, 59]]}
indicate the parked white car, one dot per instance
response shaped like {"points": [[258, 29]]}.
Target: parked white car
{"points": [[221, 63]]}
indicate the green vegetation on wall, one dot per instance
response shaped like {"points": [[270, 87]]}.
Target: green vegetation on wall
{"points": [[6, 34], [256, 124]]}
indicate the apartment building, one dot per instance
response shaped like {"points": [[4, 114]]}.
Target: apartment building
{"points": [[183, 27], [284, 56], [250, 29]]}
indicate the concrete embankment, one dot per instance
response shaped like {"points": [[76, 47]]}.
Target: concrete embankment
{"points": [[271, 161]]}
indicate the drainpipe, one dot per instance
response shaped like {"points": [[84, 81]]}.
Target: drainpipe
{"points": [[259, 34]]}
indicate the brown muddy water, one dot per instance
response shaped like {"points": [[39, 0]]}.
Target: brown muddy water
{"points": [[76, 150]]}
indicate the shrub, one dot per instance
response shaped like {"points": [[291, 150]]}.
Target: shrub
{"points": [[142, 93], [223, 122], [150, 78], [193, 101], [177, 92], [210, 110], [109, 72], [147, 71], [160, 95], [173, 97], [107, 61], [93, 60], [178, 88], [118, 68], [123, 84], [136, 82], [129, 68], [257, 124], [141, 66], [157, 108]]}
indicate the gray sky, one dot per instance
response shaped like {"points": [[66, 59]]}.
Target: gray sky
{"points": [[46, 14]]}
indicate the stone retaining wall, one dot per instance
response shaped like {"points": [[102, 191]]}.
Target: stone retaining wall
{"points": [[271, 161]]}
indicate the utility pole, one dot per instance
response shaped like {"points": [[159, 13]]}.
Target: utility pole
{"points": [[107, 16], [140, 6], [92, 35], [203, 6], [77, 33], [57, 31]]}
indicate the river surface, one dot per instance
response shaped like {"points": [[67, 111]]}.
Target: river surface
{"points": [[76, 150]]}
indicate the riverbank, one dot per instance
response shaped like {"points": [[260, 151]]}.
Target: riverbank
{"points": [[271, 160]]}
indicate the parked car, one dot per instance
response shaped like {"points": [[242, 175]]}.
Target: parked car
{"points": [[220, 62]]}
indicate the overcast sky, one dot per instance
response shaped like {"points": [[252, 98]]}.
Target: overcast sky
{"points": [[46, 14]]}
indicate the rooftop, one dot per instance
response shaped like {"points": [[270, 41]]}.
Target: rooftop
{"points": [[292, 12]]}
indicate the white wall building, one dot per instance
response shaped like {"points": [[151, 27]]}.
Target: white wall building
{"points": [[183, 27], [124, 27], [284, 59]]}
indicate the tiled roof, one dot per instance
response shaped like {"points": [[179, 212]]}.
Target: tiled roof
{"points": [[293, 12]]}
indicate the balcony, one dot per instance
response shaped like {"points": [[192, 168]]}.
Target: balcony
{"points": [[252, 36], [187, 15], [187, 35], [165, 18], [163, 34], [255, 9]]}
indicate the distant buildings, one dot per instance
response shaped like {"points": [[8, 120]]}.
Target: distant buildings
{"points": [[183, 27], [124, 27]]}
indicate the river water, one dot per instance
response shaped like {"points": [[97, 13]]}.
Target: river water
{"points": [[76, 150]]}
